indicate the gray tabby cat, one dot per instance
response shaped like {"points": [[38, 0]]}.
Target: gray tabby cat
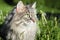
{"points": [[23, 23]]}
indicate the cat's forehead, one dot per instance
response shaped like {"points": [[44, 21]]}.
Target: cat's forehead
{"points": [[29, 8]]}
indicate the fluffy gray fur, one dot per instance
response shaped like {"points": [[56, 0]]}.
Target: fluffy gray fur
{"points": [[23, 23]]}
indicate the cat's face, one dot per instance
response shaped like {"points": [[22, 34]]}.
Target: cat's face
{"points": [[26, 12]]}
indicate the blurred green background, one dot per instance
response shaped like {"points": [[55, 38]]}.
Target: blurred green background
{"points": [[50, 29]]}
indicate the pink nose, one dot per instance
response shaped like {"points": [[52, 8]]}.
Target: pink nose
{"points": [[32, 19]]}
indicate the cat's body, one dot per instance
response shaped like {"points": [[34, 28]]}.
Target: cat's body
{"points": [[21, 25]]}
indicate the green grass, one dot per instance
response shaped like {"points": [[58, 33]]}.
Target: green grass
{"points": [[4, 9], [49, 29]]}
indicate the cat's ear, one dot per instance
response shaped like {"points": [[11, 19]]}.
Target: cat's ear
{"points": [[34, 5], [20, 6]]}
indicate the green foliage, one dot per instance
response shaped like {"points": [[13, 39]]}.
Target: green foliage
{"points": [[53, 3], [4, 9], [49, 28]]}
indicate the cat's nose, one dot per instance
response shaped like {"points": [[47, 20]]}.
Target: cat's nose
{"points": [[32, 19]]}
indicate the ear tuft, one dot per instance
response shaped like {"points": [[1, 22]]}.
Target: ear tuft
{"points": [[20, 6], [20, 3], [34, 5]]}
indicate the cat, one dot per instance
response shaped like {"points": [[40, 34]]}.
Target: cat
{"points": [[20, 23]]}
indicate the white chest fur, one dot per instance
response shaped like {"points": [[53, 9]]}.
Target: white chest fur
{"points": [[25, 31]]}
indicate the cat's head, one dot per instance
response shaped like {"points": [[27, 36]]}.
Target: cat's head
{"points": [[27, 11], [23, 8]]}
